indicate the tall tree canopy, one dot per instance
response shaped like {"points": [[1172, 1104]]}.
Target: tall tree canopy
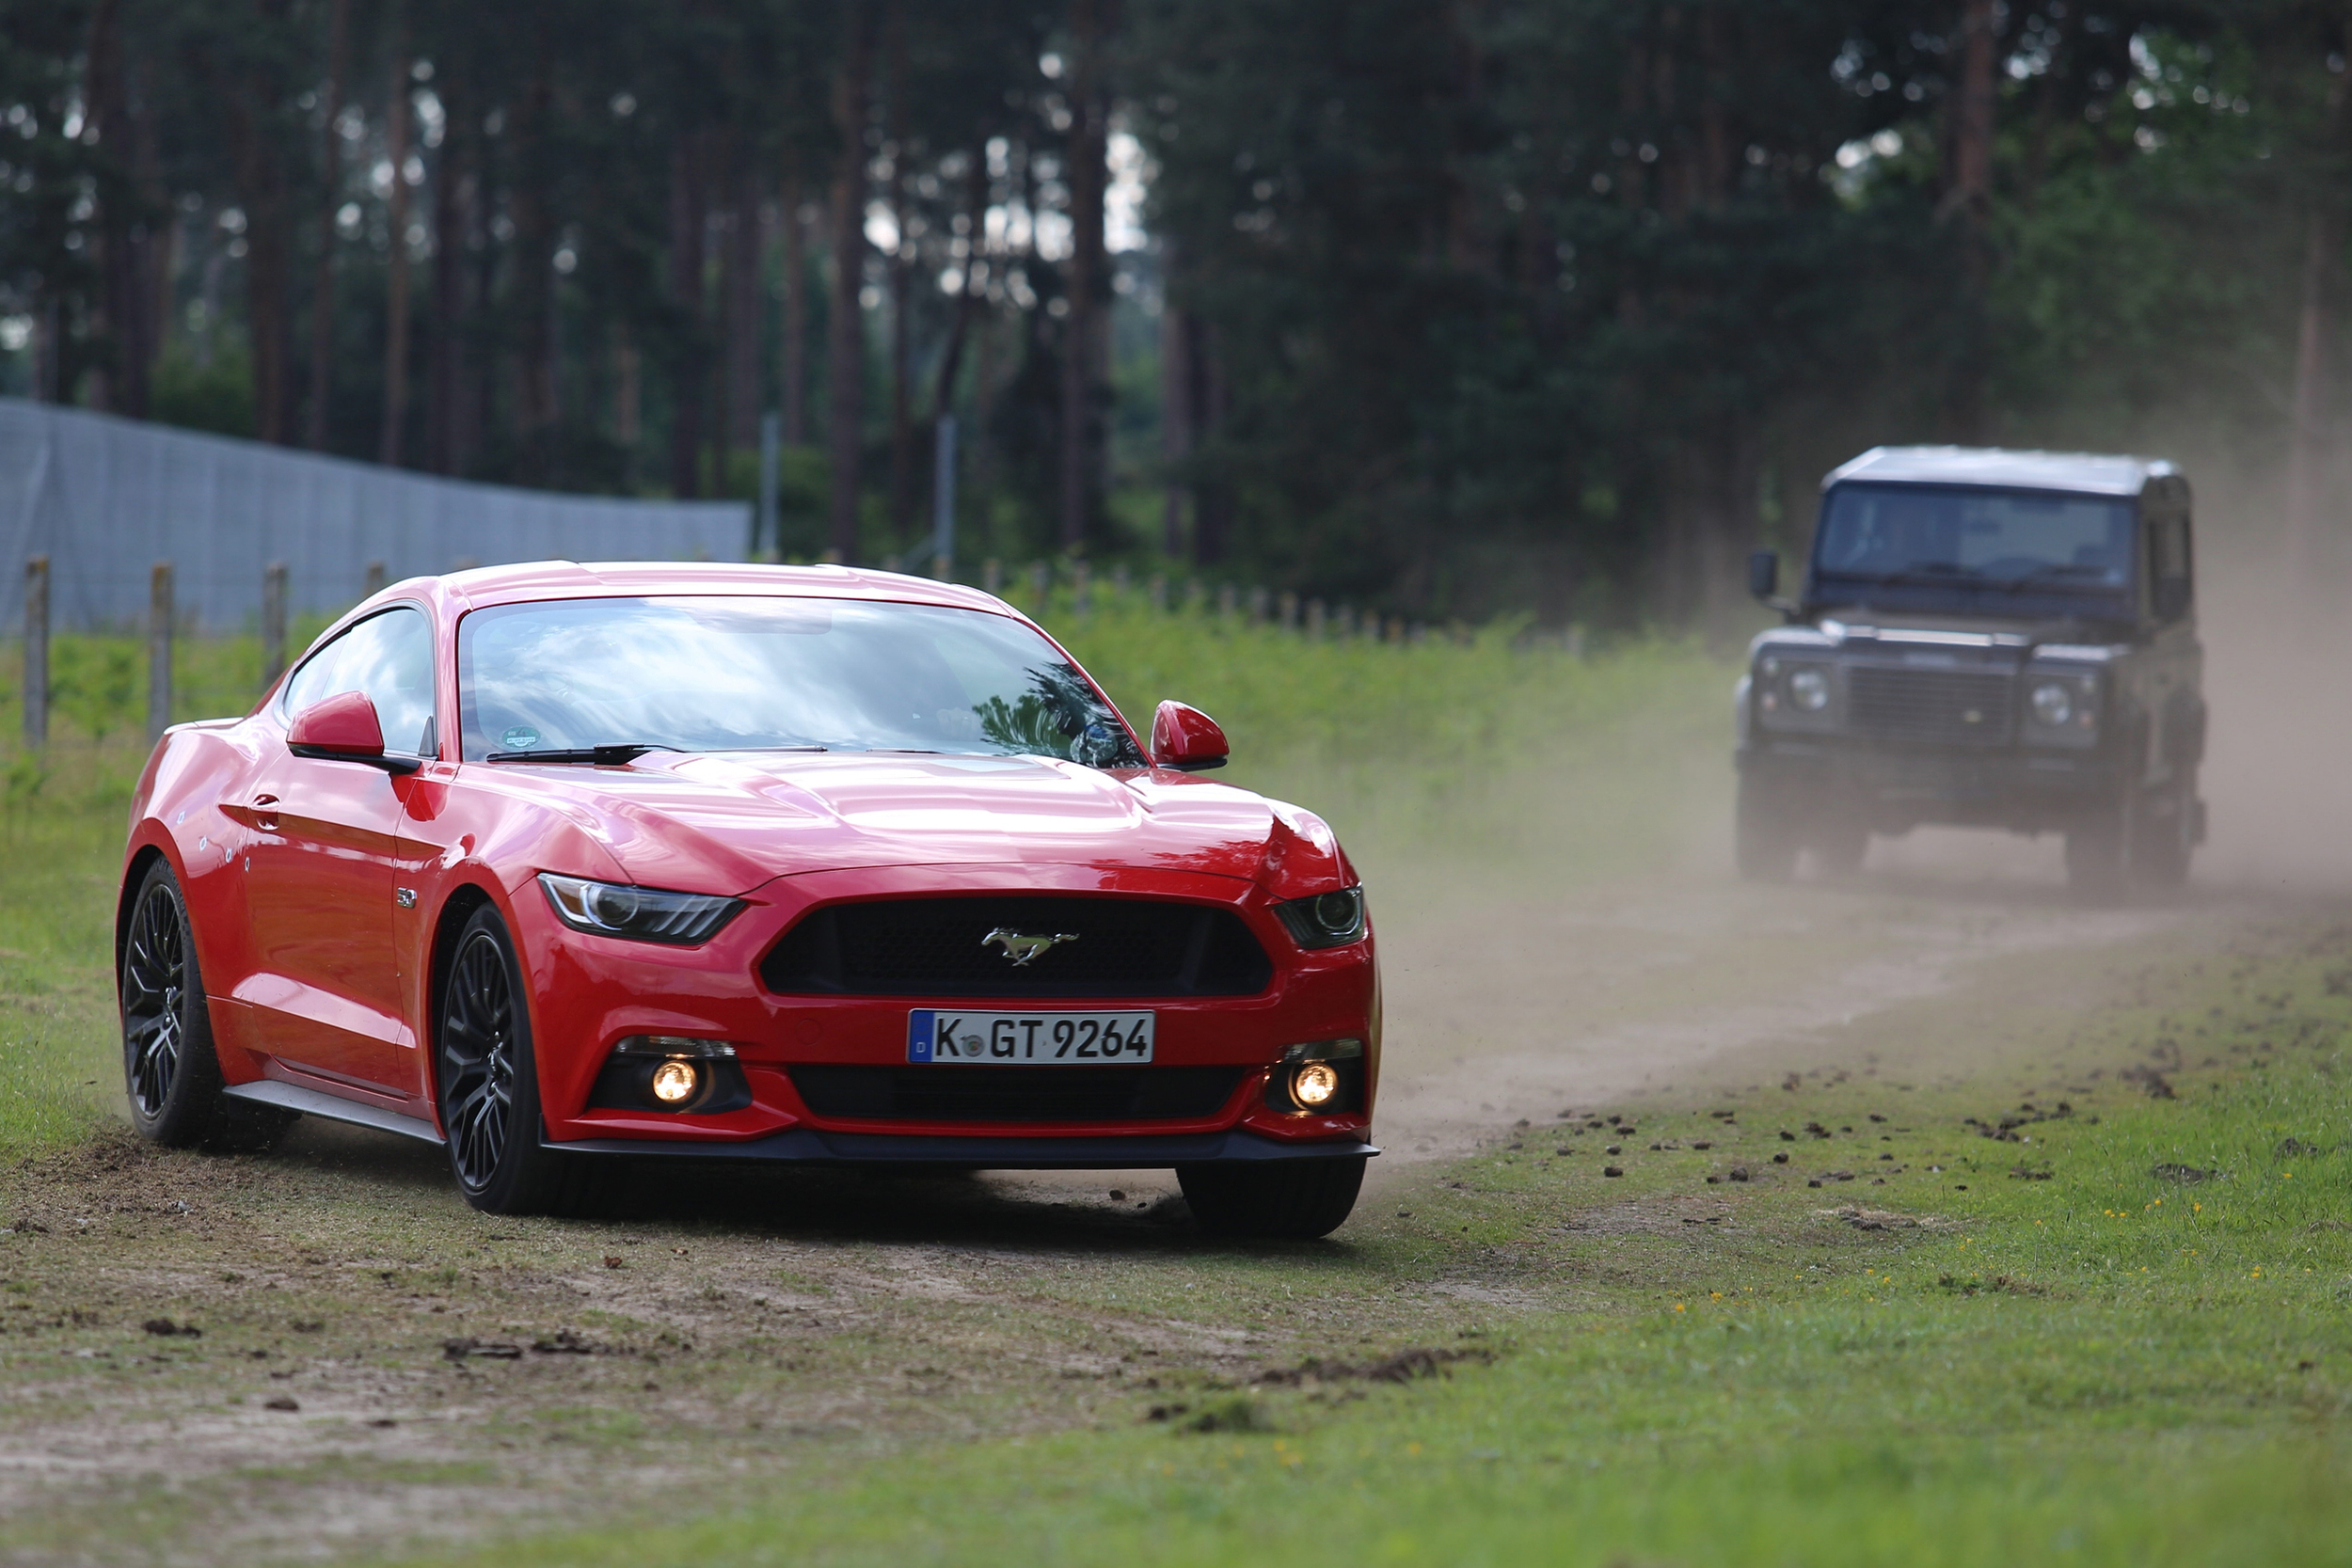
{"points": [[1448, 308]]}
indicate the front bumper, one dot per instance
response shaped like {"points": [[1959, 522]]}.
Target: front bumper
{"points": [[588, 992], [806, 1146], [1897, 789]]}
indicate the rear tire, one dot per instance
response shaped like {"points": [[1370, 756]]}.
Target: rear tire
{"points": [[487, 1081], [2167, 837], [169, 1068], [1764, 839], [1295, 1200]]}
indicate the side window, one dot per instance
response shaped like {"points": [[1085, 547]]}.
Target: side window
{"points": [[390, 656]]}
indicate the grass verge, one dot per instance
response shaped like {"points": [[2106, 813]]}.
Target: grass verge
{"points": [[1842, 1323]]}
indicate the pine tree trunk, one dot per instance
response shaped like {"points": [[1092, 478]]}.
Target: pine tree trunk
{"points": [[686, 297], [793, 373], [2310, 447], [442, 343], [331, 197], [399, 115], [1087, 146], [844, 351]]}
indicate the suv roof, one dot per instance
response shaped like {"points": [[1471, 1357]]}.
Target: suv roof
{"points": [[2084, 472]]}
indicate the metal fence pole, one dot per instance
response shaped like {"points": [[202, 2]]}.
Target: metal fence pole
{"points": [[273, 623], [37, 651], [158, 651]]}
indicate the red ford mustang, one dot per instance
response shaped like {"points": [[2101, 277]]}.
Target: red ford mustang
{"points": [[562, 865]]}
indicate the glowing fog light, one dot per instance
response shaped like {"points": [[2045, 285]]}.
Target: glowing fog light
{"points": [[674, 1082], [1314, 1083]]}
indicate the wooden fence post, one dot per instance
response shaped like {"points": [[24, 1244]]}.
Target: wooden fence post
{"points": [[374, 582], [273, 623], [158, 651], [1286, 606], [993, 575], [37, 651]]}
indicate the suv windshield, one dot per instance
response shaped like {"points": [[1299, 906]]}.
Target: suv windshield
{"points": [[2007, 542], [696, 674]]}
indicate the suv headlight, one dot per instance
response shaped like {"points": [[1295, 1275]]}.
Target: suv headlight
{"points": [[637, 913], [1324, 920], [1808, 688], [1792, 690], [2067, 703]]}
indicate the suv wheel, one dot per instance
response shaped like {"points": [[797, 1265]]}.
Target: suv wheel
{"points": [[1764, 838], [2167, 836], [1288, 1199]]}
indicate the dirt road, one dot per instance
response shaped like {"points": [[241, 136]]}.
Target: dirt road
{"points": [[376, 1357]]}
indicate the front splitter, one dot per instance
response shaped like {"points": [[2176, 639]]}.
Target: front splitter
{"points": [[803, 1145]]}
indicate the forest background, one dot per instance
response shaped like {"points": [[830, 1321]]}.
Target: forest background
{"points": [[1448, 307]]}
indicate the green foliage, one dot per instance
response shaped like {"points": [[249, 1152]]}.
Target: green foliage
{"points": [[195, 395]]}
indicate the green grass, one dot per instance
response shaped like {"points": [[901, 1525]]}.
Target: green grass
{"points": [[2101, 1365]]}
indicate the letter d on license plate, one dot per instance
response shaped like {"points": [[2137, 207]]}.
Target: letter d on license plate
{"points": [[936, 1034]]}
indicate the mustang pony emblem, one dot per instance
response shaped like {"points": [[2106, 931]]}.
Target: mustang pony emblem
{"points": [[1020, 948]]}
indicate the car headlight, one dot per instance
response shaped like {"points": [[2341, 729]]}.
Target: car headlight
{"points": [[1324, 920], [2053, 703], [1808, 688], [637, 913]]}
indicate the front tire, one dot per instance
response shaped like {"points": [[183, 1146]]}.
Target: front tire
{"points": [[488, 1084], [1764, 837], [169, 1068], [1295, 1200]]}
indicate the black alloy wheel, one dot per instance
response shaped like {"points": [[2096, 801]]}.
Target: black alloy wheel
{"points": [[155, 965], [169, 1069], [478, 1061], [490, 1090]]}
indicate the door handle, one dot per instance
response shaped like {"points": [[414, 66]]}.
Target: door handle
{"points": [[265, 813]]}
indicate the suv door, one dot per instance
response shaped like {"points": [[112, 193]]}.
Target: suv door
{"points": [[319, 886]]}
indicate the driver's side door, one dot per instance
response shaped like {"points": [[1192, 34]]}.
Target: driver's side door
{"points": [[324, 989]]}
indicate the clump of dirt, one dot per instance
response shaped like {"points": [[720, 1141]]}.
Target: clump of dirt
{"points": [[1998, 1285], [1403, 1367], [1229, 1413], [2151, 1079], [1884, 1219], [2183, 1175]]}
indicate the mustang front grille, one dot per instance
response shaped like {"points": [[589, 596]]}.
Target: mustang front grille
{"points": [[986, 946], [1016, 1094], [1953, 707]]}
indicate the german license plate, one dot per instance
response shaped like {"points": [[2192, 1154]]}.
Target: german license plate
{"points": [[936, 1034]]}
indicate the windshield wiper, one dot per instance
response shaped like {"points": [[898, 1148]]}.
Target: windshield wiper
{"points": [[1925, 574], [603, 757]]}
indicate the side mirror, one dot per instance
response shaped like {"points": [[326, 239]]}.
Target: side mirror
{"points": [[1187, 739], [344, 728], [1764, 582], [2172, 599]]}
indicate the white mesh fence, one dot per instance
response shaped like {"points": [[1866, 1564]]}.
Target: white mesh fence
{"points": [[106, 498]]}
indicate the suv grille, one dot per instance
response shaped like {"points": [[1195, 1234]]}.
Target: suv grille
{"points": [[934, 947], [1953, 707], [1017, 1094]]}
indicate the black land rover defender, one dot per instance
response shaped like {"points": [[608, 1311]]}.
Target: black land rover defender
{"points": [[1994, 639]]}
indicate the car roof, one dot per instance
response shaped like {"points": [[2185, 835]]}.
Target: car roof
{"points": [[523, 581], [2091, 473]]}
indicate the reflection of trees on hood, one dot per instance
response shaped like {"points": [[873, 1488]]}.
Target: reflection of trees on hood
{"points": [[1056, 710]]}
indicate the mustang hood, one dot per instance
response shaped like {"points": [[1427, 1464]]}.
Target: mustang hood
{"points": [[728, 823]]}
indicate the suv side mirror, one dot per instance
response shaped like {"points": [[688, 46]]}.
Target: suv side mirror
{"points": [[1187, 739], [344, 728], [2172, 599], [1764, 582]]}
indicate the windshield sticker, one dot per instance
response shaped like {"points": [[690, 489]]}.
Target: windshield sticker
{"points": [[522, 738]]}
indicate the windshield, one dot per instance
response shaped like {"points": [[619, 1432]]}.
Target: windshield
{"points": [[2017, 540], [746, 674]]}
